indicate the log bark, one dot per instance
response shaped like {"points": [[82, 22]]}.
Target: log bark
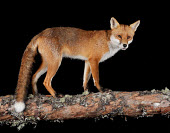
{"points": [[110, 104]]}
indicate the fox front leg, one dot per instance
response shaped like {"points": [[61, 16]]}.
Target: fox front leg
{"points": [[87, 75], [94, 66]]}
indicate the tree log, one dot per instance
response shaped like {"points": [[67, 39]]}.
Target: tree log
{"points": [[110, 103]]}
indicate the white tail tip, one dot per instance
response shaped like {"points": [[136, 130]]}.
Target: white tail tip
{"points": [[19, 106]]}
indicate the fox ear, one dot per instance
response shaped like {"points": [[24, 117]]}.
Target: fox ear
{"points": [[135, 25], [113, 23]]}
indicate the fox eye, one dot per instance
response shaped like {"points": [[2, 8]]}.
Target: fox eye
{"points": [[119, 36], [128, 37]]}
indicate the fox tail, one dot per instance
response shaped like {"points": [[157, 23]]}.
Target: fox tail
{"points": [[25, 74]]}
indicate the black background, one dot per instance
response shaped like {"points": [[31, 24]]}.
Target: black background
{"points": [[143, 66]]}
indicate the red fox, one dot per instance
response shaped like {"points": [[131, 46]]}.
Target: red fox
{"points": [[53, 44]]}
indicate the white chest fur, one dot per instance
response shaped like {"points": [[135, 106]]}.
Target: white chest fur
{"points": [[112, 51]]}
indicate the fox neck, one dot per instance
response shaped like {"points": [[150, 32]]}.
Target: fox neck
{"points": [[112, 47]]}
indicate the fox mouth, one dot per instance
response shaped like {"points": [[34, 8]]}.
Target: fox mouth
{"points": [[124, 48]]}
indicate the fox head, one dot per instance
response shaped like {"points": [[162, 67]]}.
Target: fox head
{"points": [[122, 35]]}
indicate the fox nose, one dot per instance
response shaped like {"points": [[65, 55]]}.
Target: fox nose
{"points": [[124, 45]]}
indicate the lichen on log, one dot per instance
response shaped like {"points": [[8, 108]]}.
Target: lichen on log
{"points": [[109, 103]]}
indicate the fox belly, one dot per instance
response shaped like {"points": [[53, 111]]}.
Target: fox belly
{"points": [[80, 57]]}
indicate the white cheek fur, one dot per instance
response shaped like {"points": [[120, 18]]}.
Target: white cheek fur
{"points": [[113, 40], [130, 41]]}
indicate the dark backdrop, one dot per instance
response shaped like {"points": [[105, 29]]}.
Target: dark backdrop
{"points": [[143, 66]]}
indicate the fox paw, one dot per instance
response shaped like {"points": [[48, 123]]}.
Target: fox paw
{"points": [[86, 92], [107, 90], [59, 95]]}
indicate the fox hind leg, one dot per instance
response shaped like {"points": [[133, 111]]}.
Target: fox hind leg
{"points": [[42, 69], [52, 69]]}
